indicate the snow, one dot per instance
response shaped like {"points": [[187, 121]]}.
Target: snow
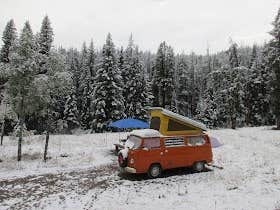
{"points": [[82, 151], [250, 178], [124, 152], [143, 133]]}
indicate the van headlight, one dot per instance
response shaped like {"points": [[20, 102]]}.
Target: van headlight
{"points": [[131, 161]]}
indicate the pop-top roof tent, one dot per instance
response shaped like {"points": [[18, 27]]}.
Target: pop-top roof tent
{"points": [[169, 123]]}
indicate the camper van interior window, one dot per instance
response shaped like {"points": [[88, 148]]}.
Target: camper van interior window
{"points": [[151, 143], [155, 123], [133, 142], [174, 142], [176, 126], [196, 141]]}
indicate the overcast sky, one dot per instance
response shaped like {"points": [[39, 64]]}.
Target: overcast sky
{"points": [[187, 25]]}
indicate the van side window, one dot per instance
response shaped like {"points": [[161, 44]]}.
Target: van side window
{"points": [[176, 126], [174, 142], [155, 123], [196, 141], [151, 143]]}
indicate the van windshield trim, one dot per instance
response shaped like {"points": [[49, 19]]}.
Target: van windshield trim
{"points": [[133, 142]]}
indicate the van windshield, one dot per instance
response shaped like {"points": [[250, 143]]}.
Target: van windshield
{"points": [[133, 142]]}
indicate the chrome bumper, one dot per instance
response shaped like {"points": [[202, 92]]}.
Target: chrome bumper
{"points": [[130, 170]]}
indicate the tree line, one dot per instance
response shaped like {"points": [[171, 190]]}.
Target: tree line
{"points": [[56, 90]]}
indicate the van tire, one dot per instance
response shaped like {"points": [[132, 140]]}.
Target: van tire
{"points": [[199, 166], [154, 171]]}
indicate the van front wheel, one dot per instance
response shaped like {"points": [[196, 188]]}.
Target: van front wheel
{"points": [[154, 171], [199, 166]]}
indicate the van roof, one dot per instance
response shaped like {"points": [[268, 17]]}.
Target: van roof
{"points": [[181, 118], [144, 133]]}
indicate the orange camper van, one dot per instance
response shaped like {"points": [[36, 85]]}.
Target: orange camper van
{"points": [[172, 141]]}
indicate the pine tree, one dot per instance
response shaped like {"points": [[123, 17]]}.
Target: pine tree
{"points": [[45, 37], [236, 96], [91, 60], [9, 37], [21, 90], [60, 84], [128, 72], [44, 43], [212, 106], [136, 94], [183, 91], [253, 59], [274, 67], [193, 88], [108, 103], [86, 86], [139, 96], [163, 77], [121, 63], [233, 57], [75, 69], [256, 93], [233, 98], [71, 112]]}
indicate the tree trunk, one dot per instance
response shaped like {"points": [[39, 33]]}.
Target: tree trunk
{"points": [[163, 97], [2, 131], [46, 145], [20, 138], [278, 123], [233, 123], [47, 137]]}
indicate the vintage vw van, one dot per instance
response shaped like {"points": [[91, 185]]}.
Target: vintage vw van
{"points": [[147, 151], [173, 141]]}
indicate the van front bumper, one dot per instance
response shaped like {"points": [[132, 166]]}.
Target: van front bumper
{"points": [[130, 170]]}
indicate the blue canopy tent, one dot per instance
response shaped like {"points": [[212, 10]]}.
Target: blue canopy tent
{"points": [[126, 124], [129, 123]]}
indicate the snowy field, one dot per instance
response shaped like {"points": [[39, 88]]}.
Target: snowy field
{"points": [[67, 152], [88, 178]]}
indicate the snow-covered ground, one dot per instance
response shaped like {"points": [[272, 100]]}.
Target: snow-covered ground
{"points": [[89, 178], [82, 151]]}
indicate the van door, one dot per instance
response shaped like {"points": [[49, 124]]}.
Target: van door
{"points": [[199, 147], [174, 152], [149, 153]]}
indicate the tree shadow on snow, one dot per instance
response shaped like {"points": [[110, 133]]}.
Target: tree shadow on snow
{"points": [[165, 174]]}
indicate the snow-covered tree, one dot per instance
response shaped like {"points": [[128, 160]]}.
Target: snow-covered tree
{"points": [[182, 87], [236, 95], [233, 57], [75, 69], [256, 104], [9, 37], [44, 43], [253, 59], [136, 94], [121, 64], [71, 112], [212, 105], [86, 86], [91, 60], [163, 76], [45, 36], [21, 88], [108, 103], [273, 58]]}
